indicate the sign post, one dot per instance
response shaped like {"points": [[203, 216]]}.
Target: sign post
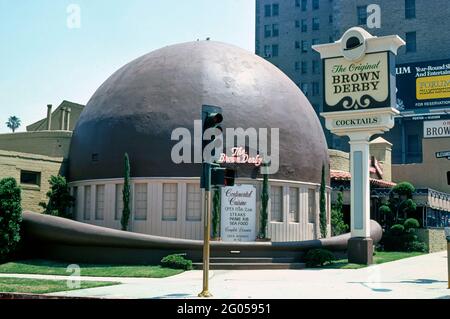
{"points": [[359, 101]]}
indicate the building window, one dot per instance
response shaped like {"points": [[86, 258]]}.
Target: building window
{"points": [[275, 30], [305, 46], [312, 206], [410, 9], [267, 31], [304, 25], [267, 10], [140, 201], [297, 66], [315, 4], [119, 202], [304, 67], [315, 67], [267, 51], [304, 5], [315, 24], [30, 178], [362, 15], [315, 41], [304, 88], [87, 202], [315, 88], [297, 44], [413, 148], [297, 3], [330, 18], [297, 23], [275, 9], [194, 208], [276, 203], [411, 42], [99, 202], [275, 50], [169, 202], [293, 205]]}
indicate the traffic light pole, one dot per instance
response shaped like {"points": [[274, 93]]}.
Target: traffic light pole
{"points": [[207, 230]]}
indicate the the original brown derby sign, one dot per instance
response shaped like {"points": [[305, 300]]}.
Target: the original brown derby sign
{"points": [[353, 86], [359, 101], [358, 79]]}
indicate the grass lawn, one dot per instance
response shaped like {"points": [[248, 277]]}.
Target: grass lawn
{"points": [[46, 267], [380, 257], [40, 286]]}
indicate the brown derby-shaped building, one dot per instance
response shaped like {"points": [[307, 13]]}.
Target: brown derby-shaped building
{"points": [[138, 107]]}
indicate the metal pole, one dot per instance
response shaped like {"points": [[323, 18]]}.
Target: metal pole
{"points": [[205, 292], [448, 262]]}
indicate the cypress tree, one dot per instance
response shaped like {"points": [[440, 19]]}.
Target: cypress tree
{"points": [[216, 213], [264, 208], [126, 195]]}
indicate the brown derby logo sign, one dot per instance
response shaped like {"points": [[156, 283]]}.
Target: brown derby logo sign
{"points": [[350, 85], [357, 79]]}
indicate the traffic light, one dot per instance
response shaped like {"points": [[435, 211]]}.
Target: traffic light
{"points": [[211, 119], [221, 176]]}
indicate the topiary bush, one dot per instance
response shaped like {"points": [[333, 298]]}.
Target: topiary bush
{"points": [[403, 238], [10, 216], [397, 229], [319, 257], [176, 261], [404, 189], [411, 223]]}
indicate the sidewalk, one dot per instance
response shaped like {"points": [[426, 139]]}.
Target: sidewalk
{"points": [[421, 277]]}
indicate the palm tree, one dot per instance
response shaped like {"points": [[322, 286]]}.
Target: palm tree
{"points": [[13, 123]]}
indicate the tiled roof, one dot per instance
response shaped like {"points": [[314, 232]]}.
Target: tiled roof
{"points": [[346, 176]]}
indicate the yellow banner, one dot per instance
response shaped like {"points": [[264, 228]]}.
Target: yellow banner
{"points": [[433, 87]]}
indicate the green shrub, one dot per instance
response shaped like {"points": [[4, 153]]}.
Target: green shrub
{"points": [[405, 189], [384, 209], [338, 226], [397, 229], [59, 198], [411, 223], [319, 257], [10, 216], [176, 261], [417, 246], [402, 238]]}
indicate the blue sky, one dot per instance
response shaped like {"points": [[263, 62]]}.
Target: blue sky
{"points": [[44, 61]]}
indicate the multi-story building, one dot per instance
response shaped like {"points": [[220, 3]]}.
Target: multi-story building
{"points": [[286, 30]]}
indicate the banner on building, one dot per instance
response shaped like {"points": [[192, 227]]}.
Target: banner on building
{"points": [[423, 85]]}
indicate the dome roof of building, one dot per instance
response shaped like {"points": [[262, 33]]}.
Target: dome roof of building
{"points": [[137, 108]]}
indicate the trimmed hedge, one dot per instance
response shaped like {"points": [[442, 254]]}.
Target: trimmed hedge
{"points": [[176, 261]]}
